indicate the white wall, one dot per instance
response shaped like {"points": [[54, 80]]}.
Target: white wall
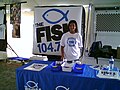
{"points": [[109, 38], [22, 46]]}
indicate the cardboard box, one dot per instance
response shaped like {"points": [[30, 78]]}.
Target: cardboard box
{"points": [[118, 52]]}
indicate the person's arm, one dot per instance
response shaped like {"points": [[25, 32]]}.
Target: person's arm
{"points": [[62, 52]]}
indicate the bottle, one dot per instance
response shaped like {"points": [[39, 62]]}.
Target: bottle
{"points": [[111, 63]]}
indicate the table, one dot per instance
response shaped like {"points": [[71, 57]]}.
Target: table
{"points": [[49, 80], [22, 59]]}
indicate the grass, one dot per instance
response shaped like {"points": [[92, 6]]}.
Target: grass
{"points": [[8, 75]]}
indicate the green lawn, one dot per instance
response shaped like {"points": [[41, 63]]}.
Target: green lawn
{"points": [[8, 75]]}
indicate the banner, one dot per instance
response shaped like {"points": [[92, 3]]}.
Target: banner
{"points": [[3, 31], [2, 25], [15, 19], [15, 13], [49, 25]]}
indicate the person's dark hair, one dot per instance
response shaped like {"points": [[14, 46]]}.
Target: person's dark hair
{"points": [[73, 21]]}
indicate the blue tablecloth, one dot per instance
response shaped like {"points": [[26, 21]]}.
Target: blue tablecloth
{"points": [[49, 80]]}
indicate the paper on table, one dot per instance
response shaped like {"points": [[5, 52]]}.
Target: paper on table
{"points": [[108, 74], [36, 67]]}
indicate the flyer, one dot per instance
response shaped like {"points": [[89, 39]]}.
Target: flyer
{"points": [[36, 67]]}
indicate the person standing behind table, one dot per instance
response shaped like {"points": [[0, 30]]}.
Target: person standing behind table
{"points": [[71, 43]]}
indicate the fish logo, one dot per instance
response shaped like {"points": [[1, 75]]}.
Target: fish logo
{"points": [[49, 13], [71, 41], [61, 88], [32, 84]]}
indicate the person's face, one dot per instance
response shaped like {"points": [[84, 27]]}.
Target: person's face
{"points": [[72, 27]]}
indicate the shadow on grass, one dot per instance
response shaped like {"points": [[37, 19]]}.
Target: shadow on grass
{"points": [[8, 75]]}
